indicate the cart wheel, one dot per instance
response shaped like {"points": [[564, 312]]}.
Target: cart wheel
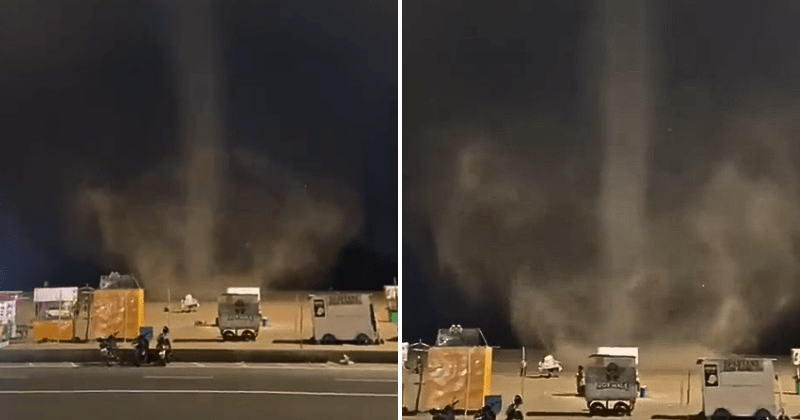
{"points": [[596, 409], [249, 336], [228, 336], [721, 414], [328, 339], [620, 409], [363, 340], [764, 414]]}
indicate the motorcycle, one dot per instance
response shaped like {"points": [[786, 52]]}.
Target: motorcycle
{"points": [[550, 366], [163, 348], [109, 349], [486, 413], [513, 412], [448, 413], [140, 345]]}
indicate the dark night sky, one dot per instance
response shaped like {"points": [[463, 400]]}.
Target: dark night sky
{"points": [[88, 90], [486, 65]]}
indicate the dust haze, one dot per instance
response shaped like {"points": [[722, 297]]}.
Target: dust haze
{"points": [[271, 228], [222, 216], [642, 230]]}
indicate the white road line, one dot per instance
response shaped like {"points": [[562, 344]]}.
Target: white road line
{"points": [[36, 366], [365, 380], [193, 391], [356, 368], [179, 377], [180, 365]]}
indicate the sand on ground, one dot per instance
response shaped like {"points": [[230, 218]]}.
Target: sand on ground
{"points": [[289, 315], [669, 372]]}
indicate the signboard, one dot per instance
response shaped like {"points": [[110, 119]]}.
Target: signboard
{"points": [[344, 300], [55, 294], [239, 312], [743, 365], [711, 375], [624, 386], [4, 335], [319, 308], [7, 312], [11, 311], [620, 351], [796, 357], [256, 291]]}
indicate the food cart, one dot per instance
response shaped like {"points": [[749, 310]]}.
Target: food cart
{"points": [[238, 316], [739, 387], [610, 384], [457, 368], [54, 311], [344, 317]]}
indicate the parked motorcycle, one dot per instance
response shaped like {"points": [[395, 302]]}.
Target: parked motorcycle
{"points": [[448, 413], [486, 413], [140, 345], [109, 349], [514, 411], [163, 346]]}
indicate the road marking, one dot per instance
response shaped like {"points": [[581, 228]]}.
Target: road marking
{"points": [[193, 391], [365, 380], [179, 377], [183, 365], [355, 368]]}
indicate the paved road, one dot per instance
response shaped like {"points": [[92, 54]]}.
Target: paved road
{"points": [[198, 392]]}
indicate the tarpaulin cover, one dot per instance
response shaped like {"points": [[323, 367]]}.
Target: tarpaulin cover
{"points": [[460, 337], [453, 373], [53, 330], [117, 311]]}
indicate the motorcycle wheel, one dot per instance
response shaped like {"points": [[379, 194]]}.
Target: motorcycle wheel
{"points": [[139, 358]]}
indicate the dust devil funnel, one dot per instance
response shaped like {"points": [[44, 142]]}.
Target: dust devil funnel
{"points": [[197, 60], [626, 114]]}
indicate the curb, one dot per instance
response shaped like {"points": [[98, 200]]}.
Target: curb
{"points": [[204, 356]]}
